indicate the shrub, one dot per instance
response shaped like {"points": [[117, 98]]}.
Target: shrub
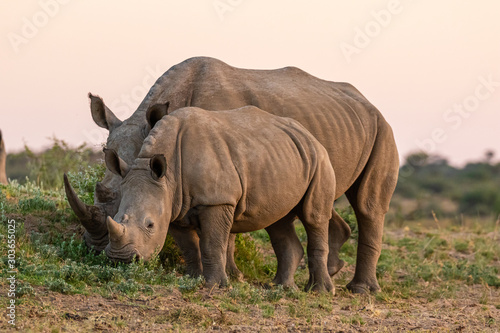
{"points": [[59, 285], [47, 168], [36, 203], [482, 200], [85, 179], [248, 258]]}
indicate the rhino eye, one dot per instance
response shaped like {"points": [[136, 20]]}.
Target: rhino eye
{"points": [[150, 225]]}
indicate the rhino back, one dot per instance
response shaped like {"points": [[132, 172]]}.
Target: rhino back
{"points": [[337, 114], [247, 158]]}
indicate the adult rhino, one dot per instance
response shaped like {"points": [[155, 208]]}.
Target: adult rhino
{"points": [[3, 158], [356, 136], [226, 171]]}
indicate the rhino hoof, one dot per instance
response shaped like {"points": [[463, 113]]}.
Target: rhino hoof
{"points": [[336, 268], [211, 284], [235, 275], [362, 288]]}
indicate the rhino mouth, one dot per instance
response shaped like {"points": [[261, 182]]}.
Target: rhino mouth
{"points": [[125, 255]]}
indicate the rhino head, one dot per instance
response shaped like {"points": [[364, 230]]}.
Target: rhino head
{"points": [[140, 226], [3, 156], [125, 138]]}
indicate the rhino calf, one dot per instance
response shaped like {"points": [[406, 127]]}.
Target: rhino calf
{"points": [[224, 172], [3, 158]]}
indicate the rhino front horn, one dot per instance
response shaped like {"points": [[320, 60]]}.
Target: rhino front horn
{"points": [[116, 230], [91, 217]]}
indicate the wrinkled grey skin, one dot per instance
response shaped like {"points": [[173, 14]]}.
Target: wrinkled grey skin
{"points": [[359, 142], [3, 158], [226, 172]]}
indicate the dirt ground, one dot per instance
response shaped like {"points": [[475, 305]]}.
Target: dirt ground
{"points": [[471, 308], [169, 310]]}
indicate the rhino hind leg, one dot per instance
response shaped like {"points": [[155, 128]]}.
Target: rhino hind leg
{"points": [[338, 233], [215, 224], [370, 197], [231, 268], [288, 250], [317, 253]]}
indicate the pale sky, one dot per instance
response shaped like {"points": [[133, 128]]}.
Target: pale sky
{"points": [[431, 67]]}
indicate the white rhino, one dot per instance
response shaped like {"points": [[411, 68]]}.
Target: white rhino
{"points": [[225, 172], [356, 136], [3, 158]]}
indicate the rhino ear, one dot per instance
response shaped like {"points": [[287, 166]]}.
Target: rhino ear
{"points": [[103, 116], [115, 164], [156, 112], [158, 165]]}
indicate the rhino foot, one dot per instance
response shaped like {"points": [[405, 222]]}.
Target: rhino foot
{"points": [[325, 286], [363, 287], [211, 283], [286, 284], [320, 282], [194, 271], [234, 273], [336, 267]]}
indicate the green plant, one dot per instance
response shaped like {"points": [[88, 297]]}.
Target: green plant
{"points": [[248, 258], [188, 284], [350, 218], [59, 285], [47, 168], [36, 203], [85, 179]]}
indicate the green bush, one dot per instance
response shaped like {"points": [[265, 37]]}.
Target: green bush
{"points": [[84, 181], [36, 203], [481, 200], [47, 168], [59, 285], [350, 218], [248, 258]]}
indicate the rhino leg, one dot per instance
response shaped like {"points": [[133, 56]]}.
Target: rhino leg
{"points": [[317, 253], [338, 233], [231, 268], [370, 196], [215, 224], [188, 242], [288, 250]]}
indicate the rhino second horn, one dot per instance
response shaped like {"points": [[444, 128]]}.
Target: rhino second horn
{"points": [[103, 193], [116, 230], [91, 217]]}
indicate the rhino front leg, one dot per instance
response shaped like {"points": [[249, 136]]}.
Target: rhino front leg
{"points": [[288, 250], [215, 225], [338, 233], [189, 243]]}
